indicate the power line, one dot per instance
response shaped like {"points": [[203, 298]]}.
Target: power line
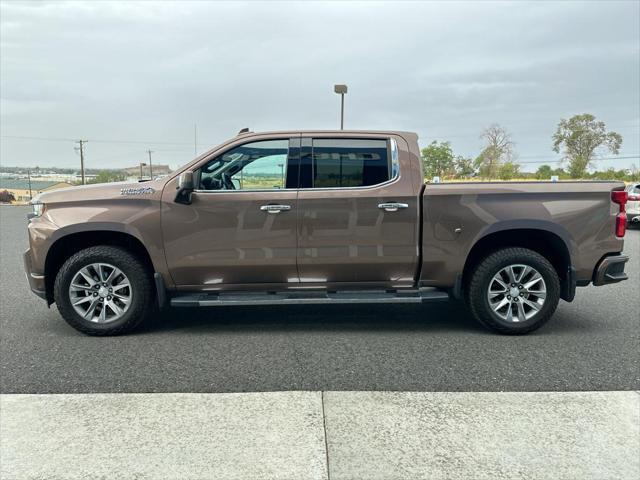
{"points": [[550, 159], [19, 137], [93, 140], [562, 159]]}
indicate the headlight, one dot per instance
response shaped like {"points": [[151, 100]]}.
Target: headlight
{"points": [[37, 209]]}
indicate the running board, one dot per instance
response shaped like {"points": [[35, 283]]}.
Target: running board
{"points": [[422, 295]]}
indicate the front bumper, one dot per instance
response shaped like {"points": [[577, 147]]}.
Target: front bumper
{"points": [[36, 281], [610, 270]]}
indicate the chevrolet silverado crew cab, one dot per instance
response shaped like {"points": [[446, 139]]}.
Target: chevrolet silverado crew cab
{"points": [[341, 217]]}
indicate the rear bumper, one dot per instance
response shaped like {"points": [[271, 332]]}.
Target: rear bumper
{"points": [[36, 281], [610, 270]]}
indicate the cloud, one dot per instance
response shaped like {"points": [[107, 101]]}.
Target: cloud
{"points": [[148, 71]]}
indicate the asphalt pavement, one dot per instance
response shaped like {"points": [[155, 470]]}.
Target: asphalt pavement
{"points": [[590, 344]]}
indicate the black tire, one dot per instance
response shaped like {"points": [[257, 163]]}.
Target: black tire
{"points": [[142, 293], [477, 288]]}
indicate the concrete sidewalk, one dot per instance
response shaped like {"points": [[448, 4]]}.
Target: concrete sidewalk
{"points": [[315, 435]]}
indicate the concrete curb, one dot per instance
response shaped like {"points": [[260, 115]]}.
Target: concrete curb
{"points": [[314, 435], [554, 435]]}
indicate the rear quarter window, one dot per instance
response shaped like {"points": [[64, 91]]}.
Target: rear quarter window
{"points": [[348, 163]]}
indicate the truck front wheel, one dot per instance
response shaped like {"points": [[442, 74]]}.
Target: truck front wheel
{"points": [[103, 290], [513, 291]]}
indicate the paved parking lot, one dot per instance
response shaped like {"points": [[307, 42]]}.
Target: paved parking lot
{"points": [[591, 344]]}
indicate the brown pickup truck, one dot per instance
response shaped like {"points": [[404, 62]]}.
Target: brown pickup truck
{"points": [[321, 217]]}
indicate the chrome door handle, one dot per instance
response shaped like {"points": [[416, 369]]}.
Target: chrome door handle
{"points": [[275, 208], [392, 206]]}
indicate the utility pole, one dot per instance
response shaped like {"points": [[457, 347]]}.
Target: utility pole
{"points": [[81, 143], [29, 177], [142, 165], [195, 140], [150, 165]]}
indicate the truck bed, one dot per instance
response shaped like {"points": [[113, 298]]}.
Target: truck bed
{"points": [[457, 217]]}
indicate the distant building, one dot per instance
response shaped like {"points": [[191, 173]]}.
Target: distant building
{"points": [[61, 177], [20, 188], [133, 173]]}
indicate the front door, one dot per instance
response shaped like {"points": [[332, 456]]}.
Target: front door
{"points": [[241, 225], [358, 213]]}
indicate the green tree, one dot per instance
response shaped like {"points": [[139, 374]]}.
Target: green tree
{"points": [[508, 170], [611, 174], [561, 173], [581, 138], [464, 167], [544, 172], [438, 160], [107, 176], [7, 197], [498, 149]]}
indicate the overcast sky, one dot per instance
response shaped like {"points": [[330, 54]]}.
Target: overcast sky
{"points": [[144, 73]]}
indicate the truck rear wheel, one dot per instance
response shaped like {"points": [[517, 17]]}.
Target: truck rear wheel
{"points": [[103, 290], [513, 291]]}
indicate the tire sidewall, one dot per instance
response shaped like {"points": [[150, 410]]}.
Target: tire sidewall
{"points": [[119, 258], [500, 260]]}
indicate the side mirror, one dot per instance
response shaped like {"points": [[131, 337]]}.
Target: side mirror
{"points": [[185, 188]]}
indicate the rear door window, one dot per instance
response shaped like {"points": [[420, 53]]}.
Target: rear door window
{"points": [[348, 163]]}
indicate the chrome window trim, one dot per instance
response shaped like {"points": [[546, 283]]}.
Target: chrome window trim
{"points": [[211, 158], [248, 191], [395, 168], [395, 165]]}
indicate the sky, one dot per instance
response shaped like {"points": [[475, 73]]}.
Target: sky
{"points": [[134, 76]]}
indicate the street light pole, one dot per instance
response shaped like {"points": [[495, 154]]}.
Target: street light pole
{"points": [[341, 90]]}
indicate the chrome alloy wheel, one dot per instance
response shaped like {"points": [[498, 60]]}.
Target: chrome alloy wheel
{"points": [[516, 293], [100, 293]]}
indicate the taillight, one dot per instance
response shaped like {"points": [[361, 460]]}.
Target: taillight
{"points": [[621, 224], [620, 197]]}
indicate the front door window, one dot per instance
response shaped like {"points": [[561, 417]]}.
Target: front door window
{"points": [[252, 166]]}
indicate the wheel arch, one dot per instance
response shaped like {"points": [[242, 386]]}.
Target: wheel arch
{"points": [[67, 245], [547, 243]]}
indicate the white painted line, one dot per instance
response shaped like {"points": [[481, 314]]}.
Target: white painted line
{"points": [[586, 435]]}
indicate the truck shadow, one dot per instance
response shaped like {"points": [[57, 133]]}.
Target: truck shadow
{"points": [[318, 318], [447, 317]]}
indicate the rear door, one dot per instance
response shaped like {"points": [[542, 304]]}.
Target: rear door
{"points": [[358, 212], [241, 225]]}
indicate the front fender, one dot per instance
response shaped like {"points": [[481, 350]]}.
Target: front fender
{"points": [[136, 218]]}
